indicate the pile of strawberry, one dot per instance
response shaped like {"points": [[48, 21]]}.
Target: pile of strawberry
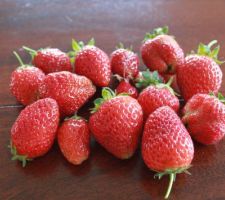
{"points": [[145, 104]]}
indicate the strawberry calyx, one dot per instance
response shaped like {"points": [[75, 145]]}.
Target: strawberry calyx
{"points": [[121, 46], [16, 156], [157, 31], [172, 177], [219, 96], [22, 65], [75, 116]]}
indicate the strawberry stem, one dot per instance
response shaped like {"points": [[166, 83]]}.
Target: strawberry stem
{"points": [[32, 52], [172, 179], [18, 58]]}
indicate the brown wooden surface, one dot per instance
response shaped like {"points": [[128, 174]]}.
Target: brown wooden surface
{"points": [[53, 23]]}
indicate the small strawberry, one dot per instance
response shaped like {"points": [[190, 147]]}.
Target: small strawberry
{"points": [[25, 81], [167, 147], [157, 94], [204, 117], [70, 91], [74, 140], [125, 87], [200, 73], [161, 52], [124, 62], [33, 132], [92, 62], [117, 123], [50, 60]]}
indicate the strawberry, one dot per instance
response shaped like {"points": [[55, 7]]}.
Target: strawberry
{"points": [[200, 73], [167, 147], [125, 87], [70, 91], [25, 81], [33, 132], [50, 60], [161, 52], [204, 117], [74, 140], [124, 62], [116, 123], [157, 94], [92, 62]]}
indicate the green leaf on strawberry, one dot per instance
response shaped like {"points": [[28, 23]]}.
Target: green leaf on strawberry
{"points": [[157, 31]]}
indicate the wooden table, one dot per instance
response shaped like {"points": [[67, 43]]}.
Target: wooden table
{"points": [[53, 23]]}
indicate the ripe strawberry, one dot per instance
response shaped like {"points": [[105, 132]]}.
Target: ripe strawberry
{"points": [[200, 72], [157, 94], [74, 140], [33, 132], [125, 87], [117, 123], [161, 52], [50, 60], [92, 62], [204, 117], [25, 81], [124, 62], [70, 91], [167, 147]]}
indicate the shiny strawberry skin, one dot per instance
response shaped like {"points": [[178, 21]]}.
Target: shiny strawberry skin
{"points": [[162, 53], [126, 87], [74, 140], [70, 91], [152, 98], [166, 144], [204, 116], [34, 130], [52, 60], [124, 63], [117, 125], [198, 74], [25, 82], [93, 63]]}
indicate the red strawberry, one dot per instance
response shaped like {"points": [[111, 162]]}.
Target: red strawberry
{"points": [[157, 94], [167, 147], [50, 60], [70, 91], [25, 81], [125, 87], [117, 123], [74, 140], [33, 132], [204, 116], [124, 62], [200, 73], [161, 52], [92, 62]]}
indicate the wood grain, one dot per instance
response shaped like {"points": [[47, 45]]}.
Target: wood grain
{"points": [[53, 23]]}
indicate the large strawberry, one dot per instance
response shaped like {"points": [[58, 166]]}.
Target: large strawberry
{"points": [[50, 60], [25, 81], [204, 117], [200, 73], [124, 62], [70, 91], [34, 131], [161, 52], [167, 147], [125, 87], [117, 123], [74, 139], [92, 62]]}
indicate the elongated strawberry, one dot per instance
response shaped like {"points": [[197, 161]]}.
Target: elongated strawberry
{"points": [[25, 81], [124, 62], [117, 123], [125, 87], [33, 132], [167, 147], [204, 117], [74, 140], [70, 91], [161, 52], [50, 60], [200, 73]]}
